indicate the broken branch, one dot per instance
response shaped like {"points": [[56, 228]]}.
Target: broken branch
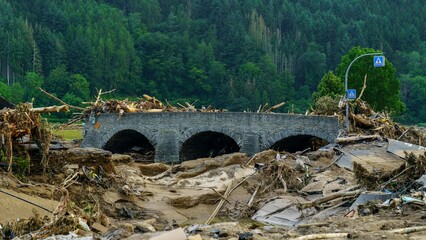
{"points": [[408, 230], [328, 198], [357, 138], [363, 88], [220, 205], [322, 236], [59, 100], [275, 107]]}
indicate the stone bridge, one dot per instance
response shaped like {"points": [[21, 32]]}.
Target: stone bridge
{"points": [[180, 136]]}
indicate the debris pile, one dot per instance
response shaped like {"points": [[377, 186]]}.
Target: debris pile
{"points": [[363, 120], [367, 186], [271, 195], [22, 126], [145, 104]]}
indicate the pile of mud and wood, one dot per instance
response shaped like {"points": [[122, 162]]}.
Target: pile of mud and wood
{"points": [[368, 184]]}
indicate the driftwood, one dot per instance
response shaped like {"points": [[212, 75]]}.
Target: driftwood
{"points": [[220, 205], [221, 196], [251, 159], [408, 230], [323, 236], [253, 196], [363, 88], [59, 100], [275, 107], [359, 119], [315, 224], [51, 109], [328, 198], [21, 121], [225, 197], [156, 102], [357, 138]]}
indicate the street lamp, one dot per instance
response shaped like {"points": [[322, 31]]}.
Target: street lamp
{"points": [[346, 85]]}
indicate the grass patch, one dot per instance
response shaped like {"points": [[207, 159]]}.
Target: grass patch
{"points": [[71, 134]]}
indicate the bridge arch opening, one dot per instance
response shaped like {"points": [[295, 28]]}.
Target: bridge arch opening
{"points": [[207, 144], [297, 143], [131, 142]]}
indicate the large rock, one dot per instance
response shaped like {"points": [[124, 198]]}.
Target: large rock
{"points": [[153, 169], [194, 168]]}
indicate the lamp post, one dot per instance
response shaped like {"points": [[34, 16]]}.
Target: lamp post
{"points": [[346, 85]]}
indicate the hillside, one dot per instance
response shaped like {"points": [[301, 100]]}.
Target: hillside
{"points": [[234, 54]]}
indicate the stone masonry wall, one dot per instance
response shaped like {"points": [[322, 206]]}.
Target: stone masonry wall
{"points": [[167, 131]]}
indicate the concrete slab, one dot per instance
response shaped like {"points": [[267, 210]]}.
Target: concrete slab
{"points": [[329, 182], [346, 161], [314, 187], [399, 148], [370, 196], [375, 162], [283, 212]]}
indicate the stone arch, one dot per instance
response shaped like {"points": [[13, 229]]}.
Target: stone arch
{"points": [[202, 143], [296, 141], [131, 141]]}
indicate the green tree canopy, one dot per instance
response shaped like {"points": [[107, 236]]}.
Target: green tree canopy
{"points": [[414, 93], [330, 85], [383, 86]]}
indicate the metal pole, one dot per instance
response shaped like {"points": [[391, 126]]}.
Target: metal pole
{"points": [[346, 85]]}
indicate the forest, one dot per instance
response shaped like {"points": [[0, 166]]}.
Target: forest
{"points": [[233, 54]]}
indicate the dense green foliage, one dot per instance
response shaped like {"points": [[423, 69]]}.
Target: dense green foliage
{"points": [[383, 88], [235, 54], [330, 85]]}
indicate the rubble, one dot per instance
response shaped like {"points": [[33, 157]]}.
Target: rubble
{"points": [[369, 185]]}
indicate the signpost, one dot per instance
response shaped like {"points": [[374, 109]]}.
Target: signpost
{"points": [[351, 94], [379, 61]]}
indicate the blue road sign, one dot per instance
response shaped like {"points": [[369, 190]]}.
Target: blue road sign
{"points": [[351, 93], [379, 61]]}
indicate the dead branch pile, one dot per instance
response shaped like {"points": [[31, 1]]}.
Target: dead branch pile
{"points": [[23, 226], [399, 180], [404, 179], [67, 217], [145, 104], [277, 172], [20, 122], [365, 121]]}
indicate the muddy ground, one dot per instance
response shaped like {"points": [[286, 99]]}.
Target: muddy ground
{"points": [[93, 194]]}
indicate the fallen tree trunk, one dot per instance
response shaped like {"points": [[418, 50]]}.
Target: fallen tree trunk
{"points": [[322, 236], [275, 107], [408, 230], [357, 138], [328, 198], [51, 109], [362, 120], [59, 100]]}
